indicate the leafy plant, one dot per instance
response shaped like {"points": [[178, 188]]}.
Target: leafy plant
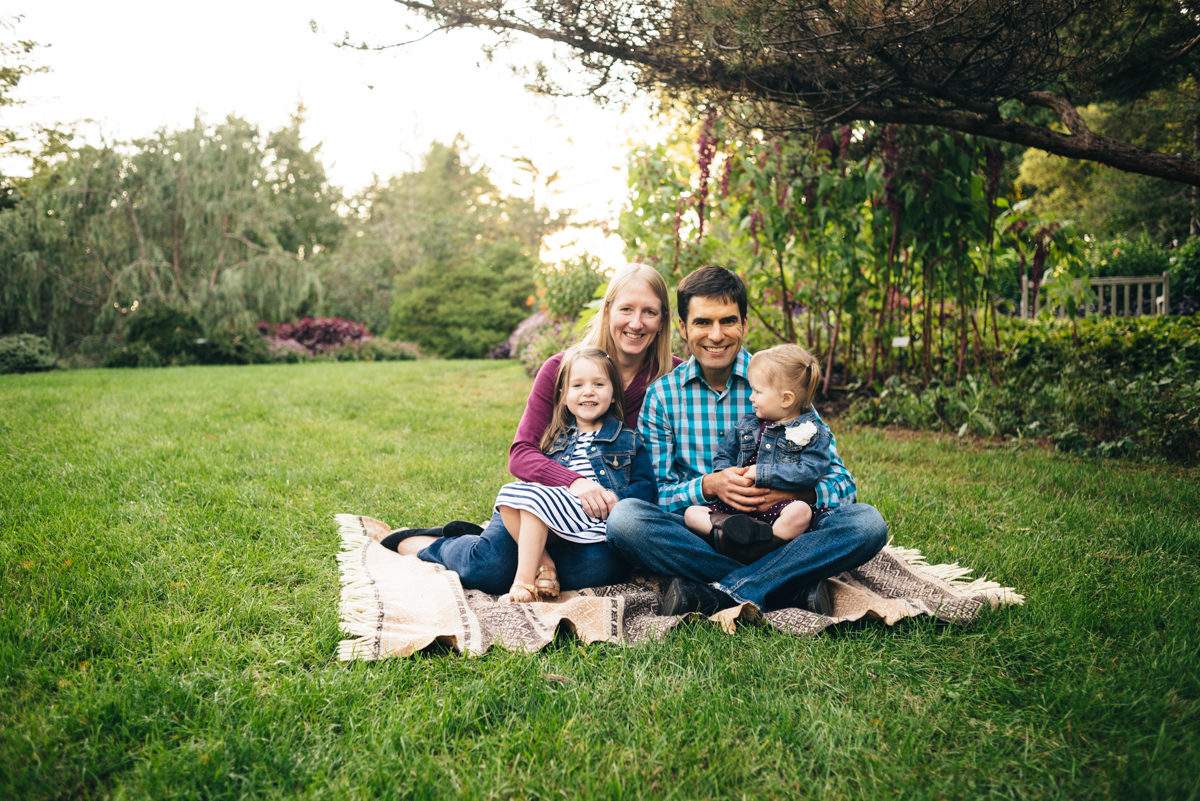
{"points": [[25, 353], [848, 240], [173, 334], [545, 340], [318, 334], [1113, 387], [566, 289]]}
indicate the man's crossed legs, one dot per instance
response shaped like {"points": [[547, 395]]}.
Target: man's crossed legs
{"points": [[658, 541]]}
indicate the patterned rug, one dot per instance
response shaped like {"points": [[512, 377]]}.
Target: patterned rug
{"points": [[396, 605]]}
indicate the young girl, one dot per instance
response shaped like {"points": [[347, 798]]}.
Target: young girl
{"points": [[585, 435], [784, 445]]}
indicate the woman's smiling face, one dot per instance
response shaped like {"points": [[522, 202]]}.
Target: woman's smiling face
{"points": [[634, 318]]}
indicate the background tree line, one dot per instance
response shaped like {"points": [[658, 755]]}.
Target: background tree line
{"points": [[235, 226]]}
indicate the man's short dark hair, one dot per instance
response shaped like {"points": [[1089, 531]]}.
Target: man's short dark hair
{"points": [[711, 282]]}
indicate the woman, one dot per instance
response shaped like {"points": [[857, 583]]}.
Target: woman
{"points": [[633, 329]]}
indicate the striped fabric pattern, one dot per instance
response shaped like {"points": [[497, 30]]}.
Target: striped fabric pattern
{"points": [[682, 422], [561, 511]]}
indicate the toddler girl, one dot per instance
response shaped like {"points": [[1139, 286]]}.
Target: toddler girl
{"points": [[784, 445], [585, 435]]}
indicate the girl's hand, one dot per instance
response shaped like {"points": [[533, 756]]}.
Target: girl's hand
{"points": [[751, 473], [596, 500]]}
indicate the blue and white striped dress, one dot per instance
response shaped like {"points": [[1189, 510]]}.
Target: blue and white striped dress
{"points": [[561, 511]]}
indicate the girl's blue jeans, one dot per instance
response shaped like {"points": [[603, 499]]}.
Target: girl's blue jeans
{"points": [[488, 561]]}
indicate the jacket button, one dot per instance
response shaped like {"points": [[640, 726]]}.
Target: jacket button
{"points": [[768, 446], [601, 472]]}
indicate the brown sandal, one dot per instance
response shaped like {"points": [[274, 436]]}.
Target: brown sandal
{"points": [[547, 585]]}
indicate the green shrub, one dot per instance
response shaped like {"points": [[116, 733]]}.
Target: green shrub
{"points": [[565, 290], [1141, 256], [1130, 387], [1185, 277], [373, 350], [234, 346], [25, 353], [168, 331], [137, 354]]}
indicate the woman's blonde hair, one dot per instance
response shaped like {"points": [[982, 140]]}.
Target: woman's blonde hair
{"points": [[558, 421], [598, 334], [790, 368]]}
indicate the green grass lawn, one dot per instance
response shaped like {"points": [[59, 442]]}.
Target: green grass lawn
{"points": [[168, 616]]}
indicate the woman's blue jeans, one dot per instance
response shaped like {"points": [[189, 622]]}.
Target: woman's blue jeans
{"points": [[657, 540], [488, 561]]}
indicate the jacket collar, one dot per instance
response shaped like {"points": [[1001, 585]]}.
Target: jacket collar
{"points": [[607, 433], [810, 415], [690, 370]]}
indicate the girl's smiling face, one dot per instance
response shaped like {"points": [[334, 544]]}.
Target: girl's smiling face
{"points": [[589, 393], [634, 318]]}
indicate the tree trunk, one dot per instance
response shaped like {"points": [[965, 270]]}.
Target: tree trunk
{"points": [[1195, 228], [789, 327]]}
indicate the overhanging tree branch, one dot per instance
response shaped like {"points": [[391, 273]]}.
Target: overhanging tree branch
{"points": [[945, 63]]}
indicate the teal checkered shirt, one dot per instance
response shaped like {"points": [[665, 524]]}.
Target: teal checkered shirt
{"points": [[682, 422]]}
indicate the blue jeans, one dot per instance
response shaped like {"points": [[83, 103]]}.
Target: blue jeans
{"points": [[657, 540], [488, 561]]}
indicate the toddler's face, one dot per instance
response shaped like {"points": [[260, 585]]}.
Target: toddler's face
{"points": [[589, 393], [767, 400]]}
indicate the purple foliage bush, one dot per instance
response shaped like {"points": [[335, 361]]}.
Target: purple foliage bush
{"points": [[315, 335]]}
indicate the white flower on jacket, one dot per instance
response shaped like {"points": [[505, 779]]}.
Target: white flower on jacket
{"points": [[803, 433]]}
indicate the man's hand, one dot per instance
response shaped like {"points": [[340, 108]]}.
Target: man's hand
{"points": [[597, 501], [734, 488]]}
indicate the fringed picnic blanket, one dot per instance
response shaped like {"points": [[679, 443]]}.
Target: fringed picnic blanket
{"points": [[396, 605]]}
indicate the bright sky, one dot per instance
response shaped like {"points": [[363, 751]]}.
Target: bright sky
{"points": [[137, 65]]}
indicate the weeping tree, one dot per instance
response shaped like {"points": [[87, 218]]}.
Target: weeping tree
{"points": [[220, 220]]}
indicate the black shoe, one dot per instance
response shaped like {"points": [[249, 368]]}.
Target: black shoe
{"points": [[685, 596], [459, 528], [815, 598], [396, 537], [745, 530]]}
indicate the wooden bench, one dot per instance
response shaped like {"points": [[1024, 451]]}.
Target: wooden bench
{"points": [[1134, 296]]}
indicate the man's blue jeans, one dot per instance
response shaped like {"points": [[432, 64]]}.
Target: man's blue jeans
{"points": [[488, 561], [657, 540]]}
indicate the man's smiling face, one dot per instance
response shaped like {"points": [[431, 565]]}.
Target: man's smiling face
{"points": [[714, 332]]}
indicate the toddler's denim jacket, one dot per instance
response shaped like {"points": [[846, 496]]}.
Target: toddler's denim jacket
{"points": [[619, 459], [782, 464]]}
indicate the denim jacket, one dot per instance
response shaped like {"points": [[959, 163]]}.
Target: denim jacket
{"points": [[619, 460], [782, 464]]}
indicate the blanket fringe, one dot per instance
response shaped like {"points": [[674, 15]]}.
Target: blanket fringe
{"points": [[956, 576], [359, 609], [358, 648]]}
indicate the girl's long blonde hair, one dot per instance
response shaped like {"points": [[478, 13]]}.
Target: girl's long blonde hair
{"points": [[558, 422], [598, 334], [790, 367]]}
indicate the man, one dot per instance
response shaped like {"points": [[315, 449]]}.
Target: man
{"points": [[684, 417]]}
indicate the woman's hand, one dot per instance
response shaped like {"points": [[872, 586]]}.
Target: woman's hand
{"points": [[596, 500]]}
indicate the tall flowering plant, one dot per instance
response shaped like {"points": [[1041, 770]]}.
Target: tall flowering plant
{"points": [[873, 246]]}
